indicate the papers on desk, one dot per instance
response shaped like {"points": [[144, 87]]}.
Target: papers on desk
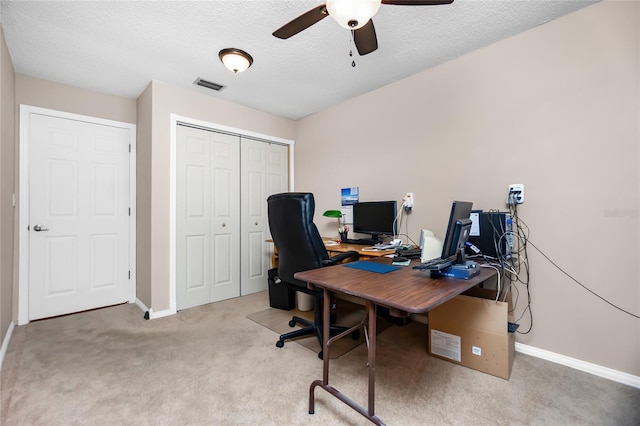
{"points": [[330, 243], [386, 246]]}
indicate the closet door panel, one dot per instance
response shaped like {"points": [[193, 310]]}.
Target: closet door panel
{"points": [[225, 217], [208, 210], [193, 228], [277, 169], [264, 172], [254, 216]]}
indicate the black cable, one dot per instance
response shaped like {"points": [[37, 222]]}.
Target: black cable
{"points": [[410, 239], [582, 285], [523, 239]]}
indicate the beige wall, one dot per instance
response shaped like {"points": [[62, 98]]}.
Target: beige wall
{"points": [[62, 97], [7, 181], [167, 99], [555, 108]]}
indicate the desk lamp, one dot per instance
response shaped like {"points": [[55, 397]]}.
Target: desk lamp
{"points": [[337, 214]]}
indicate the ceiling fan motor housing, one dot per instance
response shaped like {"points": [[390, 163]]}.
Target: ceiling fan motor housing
{"points": [[352, 14]]}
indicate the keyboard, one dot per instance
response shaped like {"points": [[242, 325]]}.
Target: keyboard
{"points": [[436, 264], [409, 253], [362, 241]]}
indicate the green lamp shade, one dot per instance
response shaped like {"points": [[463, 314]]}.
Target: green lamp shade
{"points": [[332, 213]]}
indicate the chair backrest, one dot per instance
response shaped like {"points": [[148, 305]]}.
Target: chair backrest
{"points": [[294, 234]]}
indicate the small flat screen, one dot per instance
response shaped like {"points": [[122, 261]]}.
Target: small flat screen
{"points": [[459, 210], [374, 217]]}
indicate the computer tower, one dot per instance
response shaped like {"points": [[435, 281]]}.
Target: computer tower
{"points": [[280, 296], [492, 234]]}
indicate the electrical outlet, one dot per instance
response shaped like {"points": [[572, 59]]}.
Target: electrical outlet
{"points": [[407, 201], [515, 194]]}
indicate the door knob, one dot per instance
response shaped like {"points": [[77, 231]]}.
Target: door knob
{"points": [[39, 228]]}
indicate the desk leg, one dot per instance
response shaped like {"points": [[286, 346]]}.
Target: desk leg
{"points": [[371, 358], [371, 352]]}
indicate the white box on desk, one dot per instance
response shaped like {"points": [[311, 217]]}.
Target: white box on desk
{"points": [[472, 330]]}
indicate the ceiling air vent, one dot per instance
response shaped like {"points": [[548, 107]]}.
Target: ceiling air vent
{"points": [[208, 84]]}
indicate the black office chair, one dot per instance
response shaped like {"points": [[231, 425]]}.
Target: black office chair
{"points": [[300, 248]]}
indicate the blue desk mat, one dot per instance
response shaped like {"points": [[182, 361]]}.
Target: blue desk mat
{"points": [[364, 265]]}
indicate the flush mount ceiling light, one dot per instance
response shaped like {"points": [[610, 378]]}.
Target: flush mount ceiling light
{"points": [[235, 59], [352, 14]]}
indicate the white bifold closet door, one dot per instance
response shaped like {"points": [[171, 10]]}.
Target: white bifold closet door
{"points": [[223, 182], [208, 217], [264, 172]]}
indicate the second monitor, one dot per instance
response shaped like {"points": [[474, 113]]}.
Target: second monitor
{"points": [[458, 229], [375, 218]]}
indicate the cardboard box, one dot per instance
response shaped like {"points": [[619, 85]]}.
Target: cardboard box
{"points": [[472, 330]]}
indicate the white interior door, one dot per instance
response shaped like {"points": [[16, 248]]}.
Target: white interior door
{"points": [[79, 210], [208, 212], [264, 172]]}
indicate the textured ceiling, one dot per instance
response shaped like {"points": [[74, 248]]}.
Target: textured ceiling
{"points": [[118, 47]]}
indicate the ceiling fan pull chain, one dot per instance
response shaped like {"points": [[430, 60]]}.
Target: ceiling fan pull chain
{"points": [[351, 42]]}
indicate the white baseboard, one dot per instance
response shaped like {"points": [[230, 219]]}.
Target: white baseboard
{"points": [[152, 314], [141, 305], [587, 367], [160, 314], [5, 342]]}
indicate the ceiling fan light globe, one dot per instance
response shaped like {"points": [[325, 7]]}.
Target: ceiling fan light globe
{"points": [[352, 14]]}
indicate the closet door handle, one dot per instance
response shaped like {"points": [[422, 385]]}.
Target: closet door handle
{"points": [[256, 223], [224, 224]]}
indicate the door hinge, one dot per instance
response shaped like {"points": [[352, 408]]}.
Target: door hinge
{"points": [[129, 147], [129, 211], [129, 274]]}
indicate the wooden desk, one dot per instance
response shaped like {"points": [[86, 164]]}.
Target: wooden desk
{"points": [[365, 252], [338, 248], [405, 289]]}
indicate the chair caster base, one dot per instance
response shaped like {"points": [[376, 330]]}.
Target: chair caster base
{"points": [[280, 343], [292, 323]]}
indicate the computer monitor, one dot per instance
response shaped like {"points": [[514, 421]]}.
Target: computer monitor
{"points": [[375, 218], [458, 229], [460, 237]]}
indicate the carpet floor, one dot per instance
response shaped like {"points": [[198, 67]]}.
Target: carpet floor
{"points": [[211, 365], [347, 315]]}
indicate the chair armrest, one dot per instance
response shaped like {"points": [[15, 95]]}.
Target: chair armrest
{"points": [[340, 257]]}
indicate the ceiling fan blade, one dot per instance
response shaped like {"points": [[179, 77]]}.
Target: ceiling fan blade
{"points": [[417, 2], [365, 38], [302, 22]]}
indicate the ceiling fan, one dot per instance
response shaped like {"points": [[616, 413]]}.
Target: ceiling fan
{"points": [[354, 15]]}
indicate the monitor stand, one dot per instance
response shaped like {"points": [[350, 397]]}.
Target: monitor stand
{"points": [[468, 270], [463, 269]]}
